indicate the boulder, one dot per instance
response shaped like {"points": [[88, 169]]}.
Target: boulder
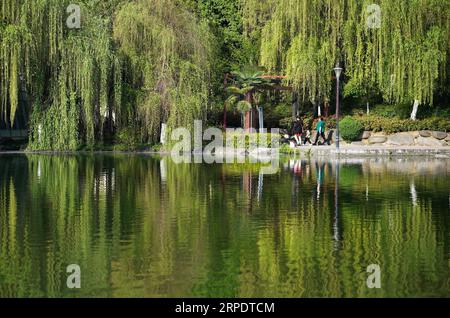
{"points": [[425, 133], [377, 139], [439, 135], [429, 142], [448, 138], [366, 135], [358, 143], [401, 139]]}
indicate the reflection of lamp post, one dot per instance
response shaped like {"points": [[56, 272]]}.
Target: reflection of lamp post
{"points": [[336, 233], [338, 72]]}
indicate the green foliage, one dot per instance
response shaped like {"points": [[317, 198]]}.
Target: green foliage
{"points": [[278, 115], [393, 125], [247, 83], [403, 60], [225, 19], [148, 65], [243, 106], [169, 55], [126, 139], [350, 129], [141, 63], [250, 139], [133, 219], [401, 111], [287, 150], [65, 73]]}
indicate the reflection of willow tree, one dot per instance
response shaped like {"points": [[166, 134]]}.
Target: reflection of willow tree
{"points": [[295, 252], [108, 215], [134, 234], [304, 242]]}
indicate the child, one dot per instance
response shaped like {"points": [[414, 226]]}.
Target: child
{"points": [[307, 134]]}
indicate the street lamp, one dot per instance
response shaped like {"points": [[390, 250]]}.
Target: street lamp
{"points": [[338, 71]]}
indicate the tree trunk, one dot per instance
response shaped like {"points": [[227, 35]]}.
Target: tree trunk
{"points": [[327, 109], [225, 116], [315, 110], [247, 120], [251, 116], [225, 84], [251, 119], [414, 110]]}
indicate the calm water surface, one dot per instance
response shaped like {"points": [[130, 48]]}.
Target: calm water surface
{"points": [[142, 226]]}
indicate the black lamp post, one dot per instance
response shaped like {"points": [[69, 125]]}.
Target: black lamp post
{"points": [[338, 71]]}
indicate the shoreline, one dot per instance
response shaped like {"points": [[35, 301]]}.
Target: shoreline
{"points": [[375, 151], [308, 151]]}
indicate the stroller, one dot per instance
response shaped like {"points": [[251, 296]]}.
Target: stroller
{"points": [[289, 140]]}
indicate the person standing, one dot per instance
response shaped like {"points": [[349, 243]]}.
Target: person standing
{"points": [[297, 131], [320, 131]]}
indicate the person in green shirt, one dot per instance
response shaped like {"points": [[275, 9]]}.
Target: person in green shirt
{"points": [[320, 131]]}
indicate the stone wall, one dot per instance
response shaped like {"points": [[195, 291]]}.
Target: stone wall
{"points": [[424, 138]]}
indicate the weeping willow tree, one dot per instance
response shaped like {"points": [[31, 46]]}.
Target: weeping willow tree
{"points": [[15, 45], [168, 53], [65, 73], [395, 48], [131, 64]]}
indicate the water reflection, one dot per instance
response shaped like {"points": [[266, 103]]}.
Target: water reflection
{"points": [[144, 226], [336, 231]]}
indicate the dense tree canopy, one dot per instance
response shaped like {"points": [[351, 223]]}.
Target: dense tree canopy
{"points": [[128, 65], [136, 64], [168, 55], [66, 74], [402, 54]]}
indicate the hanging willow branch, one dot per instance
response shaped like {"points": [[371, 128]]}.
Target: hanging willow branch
{"points": [[169, 54], [154, 54], [404, 59]]}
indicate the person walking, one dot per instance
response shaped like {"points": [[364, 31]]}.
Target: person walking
{"points": [[297, 131], [307, 135], [320, 131]]}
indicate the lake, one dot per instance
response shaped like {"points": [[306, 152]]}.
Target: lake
{"points": [[142, 226]]}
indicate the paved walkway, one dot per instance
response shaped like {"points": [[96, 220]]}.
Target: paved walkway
{"points": [[350, 150]]}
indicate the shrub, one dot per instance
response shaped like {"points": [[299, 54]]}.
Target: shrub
{"points": [[250, 140], [401, 111], [393, 125], [350, 129], [126, 139], [387, 111], [286, 122]]}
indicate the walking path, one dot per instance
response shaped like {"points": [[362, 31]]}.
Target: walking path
{"points": [[352, 150]]}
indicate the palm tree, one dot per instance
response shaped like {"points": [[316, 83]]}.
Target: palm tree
{"points": [[247, 83]]}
